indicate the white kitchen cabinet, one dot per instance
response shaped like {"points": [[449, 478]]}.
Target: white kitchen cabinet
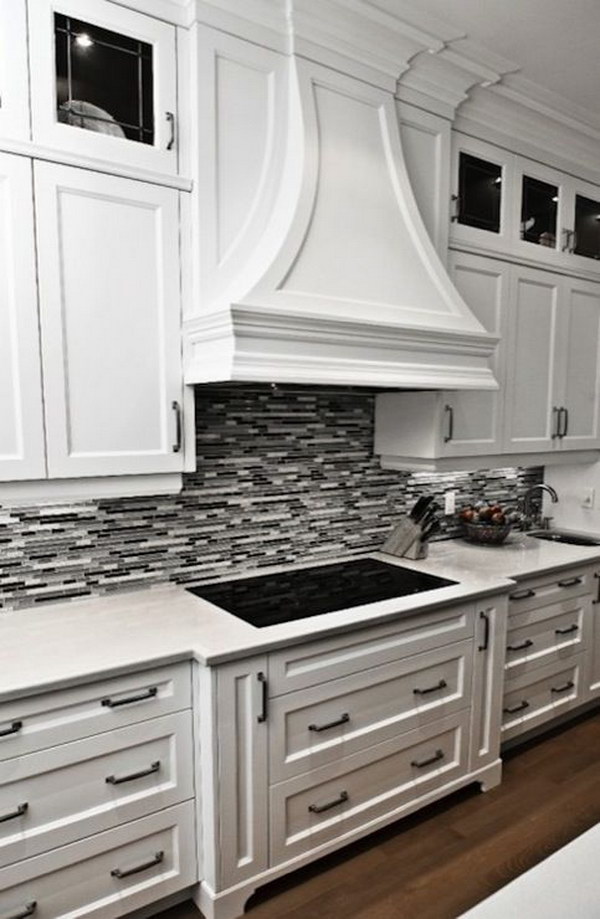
{"points": [[104, 83], [578, 362], [22, 453], [14, 73], [488, 664], [592, 679], [108, 257]]}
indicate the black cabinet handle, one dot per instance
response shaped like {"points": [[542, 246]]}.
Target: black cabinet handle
{"points": [[564, 687], [455, 199], [567, 630], [18, 812], [570, 582], [522, 594], [449, 411], [343, 719], [423, 692], [520, 647], [178, 430], [264, 698], [597, 576], [321, 808], [119, 873], [564, 413], [421, 763], [171, 122], [519, 707], [27, 910], [486, 631], [118, 780], [129, 700], [13, 729]]}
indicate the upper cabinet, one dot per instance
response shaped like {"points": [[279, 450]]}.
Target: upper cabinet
{"points": [[14, 76], [104, 83]]}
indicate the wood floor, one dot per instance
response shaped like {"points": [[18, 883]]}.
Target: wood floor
{"points": [[443, 860]]}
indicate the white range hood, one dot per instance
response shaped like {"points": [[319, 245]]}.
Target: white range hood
{"points": [[312, 263]]}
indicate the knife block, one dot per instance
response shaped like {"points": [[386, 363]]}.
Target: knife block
{"points": [[417, 550]]}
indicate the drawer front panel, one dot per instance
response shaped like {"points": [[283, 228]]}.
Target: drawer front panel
{"points": [[58, 717], [310, 810], [366, 708], [534, 698], [553, 633], [317, 661], [57, 796], [110, 873], [547, 589]]}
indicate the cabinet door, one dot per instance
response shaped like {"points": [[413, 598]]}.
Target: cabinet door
{"points": [[104, 82], [578, 358], [532, 378], [488, 684], [543, 196], [476, 417], [110, 315], [14, 76], [21, 419]]}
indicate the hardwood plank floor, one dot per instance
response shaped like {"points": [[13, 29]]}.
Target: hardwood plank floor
{"points": [[441, 861]]}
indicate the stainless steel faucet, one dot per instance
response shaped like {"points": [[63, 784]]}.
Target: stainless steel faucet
{"points": [[529, 521]]}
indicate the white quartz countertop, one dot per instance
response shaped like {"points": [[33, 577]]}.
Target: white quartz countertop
{"points": [[67, 643]]}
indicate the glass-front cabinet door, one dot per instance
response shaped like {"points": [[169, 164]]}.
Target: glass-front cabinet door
{"points": [[542, 201], [586, 241], [104, 84], [14, 76]]}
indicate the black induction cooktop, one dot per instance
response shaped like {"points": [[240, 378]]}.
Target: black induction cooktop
{"points": [[271, 599]]}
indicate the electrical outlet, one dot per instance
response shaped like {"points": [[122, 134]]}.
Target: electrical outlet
{"points": [[449, 503], [588, 498]]}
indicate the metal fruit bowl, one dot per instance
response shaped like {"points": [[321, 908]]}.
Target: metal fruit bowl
{"points": [[487, 534]]}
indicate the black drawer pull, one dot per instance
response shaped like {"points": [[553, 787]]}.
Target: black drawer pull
{"points": [[18, 812], [564, 687], [522, 594], [421, 763], [567, 630], [423, 692], [119, 873], [486, 632], [320, 808], [264, 702], [142, 697], [27, 910], [13, 729], [343, 719], [519, 707], [520, 647], [118, 780], [570, 582]]}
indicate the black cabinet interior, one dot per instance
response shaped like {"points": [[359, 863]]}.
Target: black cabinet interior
{"points": [[539, 202], [587, 227], [479, 193]]}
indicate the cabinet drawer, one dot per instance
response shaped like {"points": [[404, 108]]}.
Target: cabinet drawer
{"points": [[57, 796], [317, 661], [329, 802], [550, 633], [34, 723], [553, 588], [319, 725], [109, 874], [533, 698]]}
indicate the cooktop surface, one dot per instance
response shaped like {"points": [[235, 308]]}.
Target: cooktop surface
{"points": [[271, 599]]}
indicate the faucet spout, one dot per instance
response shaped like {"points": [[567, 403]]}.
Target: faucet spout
{"points": [[529, 519]]}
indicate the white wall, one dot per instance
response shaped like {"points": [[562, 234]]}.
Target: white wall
{"points": [[572, 484]]}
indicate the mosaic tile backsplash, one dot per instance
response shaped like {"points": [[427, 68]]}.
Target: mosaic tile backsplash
{"points": [[282, 476]]}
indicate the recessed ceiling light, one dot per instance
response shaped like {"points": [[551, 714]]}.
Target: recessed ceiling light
{"points": [[83, 40]]}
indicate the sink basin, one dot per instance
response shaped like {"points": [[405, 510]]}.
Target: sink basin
{"points": [[572, 539]]}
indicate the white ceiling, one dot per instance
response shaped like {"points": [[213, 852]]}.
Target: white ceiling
{"points": [[555, 43]]}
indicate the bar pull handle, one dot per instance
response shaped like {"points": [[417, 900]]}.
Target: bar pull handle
{"points": [[564, 687], [118, 780], [321, 808], [18, 812], [423, 692], [27, 910], [520, 647], [568, 234], [13, 729], [455, 201], [519, 707], [151, 863], [486, 631], [171, 122], [570, 582], [317, 728], [129, 700], [597, 576], [421, 763], [178, 427], [521, 594], [449, 413], [564, 421], [264, 712], [555, 422], [568, 630]]}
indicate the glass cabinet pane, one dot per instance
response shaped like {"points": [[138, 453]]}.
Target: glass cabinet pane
{"points": [[104, 80], [587, 227], [538, 212], [479, 193]]}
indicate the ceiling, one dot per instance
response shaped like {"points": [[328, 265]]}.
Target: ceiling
{"points": [[555, 43]]}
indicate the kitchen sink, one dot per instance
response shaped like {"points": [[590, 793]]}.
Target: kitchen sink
{"points": [[572, 539]]}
